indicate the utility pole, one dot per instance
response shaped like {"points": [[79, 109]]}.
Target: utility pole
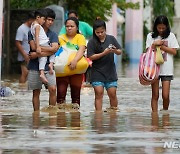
{"points": [[1, 23], [6, 39]]}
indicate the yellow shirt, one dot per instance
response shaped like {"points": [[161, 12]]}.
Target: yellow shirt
{"points": [[78, 40]]}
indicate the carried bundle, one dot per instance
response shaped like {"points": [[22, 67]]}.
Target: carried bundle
{"points": [[148, 68], [64, 56]]}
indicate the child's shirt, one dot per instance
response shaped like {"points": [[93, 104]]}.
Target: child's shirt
{"points": [[167, 68], [43, 39]]}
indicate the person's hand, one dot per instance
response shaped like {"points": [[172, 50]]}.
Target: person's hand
{"points": [[72, 64], [33, 55], [56, 48], [38, 50], [165, 43], [113, 49], [26, 58], [158, 42], [107, 50]]}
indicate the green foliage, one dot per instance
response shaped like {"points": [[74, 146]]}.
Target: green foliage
{"points": [[87, 10], [31, 4], [159, 7], [122, 4], [163, 7]]}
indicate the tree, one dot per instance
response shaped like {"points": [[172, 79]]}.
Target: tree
{"points": [[31, 4], [87, 10], [161, 7], [165, 7]]}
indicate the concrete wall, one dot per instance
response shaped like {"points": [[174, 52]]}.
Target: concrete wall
{"points": [[176, 20], [176, 7]]}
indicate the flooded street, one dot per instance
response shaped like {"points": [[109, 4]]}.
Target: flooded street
{"points": [[132, 130]]}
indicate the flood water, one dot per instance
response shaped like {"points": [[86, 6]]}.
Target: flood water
{"points": [[132, 130]]}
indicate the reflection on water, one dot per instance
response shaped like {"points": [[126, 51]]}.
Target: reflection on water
{"points": [[134, 129], [60, 120]]}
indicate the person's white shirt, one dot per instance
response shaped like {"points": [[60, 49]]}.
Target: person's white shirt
{"points": [[167, 68], [43, 39]]}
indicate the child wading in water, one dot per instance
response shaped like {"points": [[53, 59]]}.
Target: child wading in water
{"points": [[166, 40]]}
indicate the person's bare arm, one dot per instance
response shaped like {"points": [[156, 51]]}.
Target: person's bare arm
{"points": [[32, 45], [157, 43], [33, 55], [78, 56], [164, 47], [21, 50], [99, 55], [116, 51], [45, 51], [37, 31], [172, 51]]}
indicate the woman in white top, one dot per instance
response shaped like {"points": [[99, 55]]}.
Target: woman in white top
{"points": [[166, 40]]}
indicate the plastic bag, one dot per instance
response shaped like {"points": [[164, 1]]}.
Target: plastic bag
{"points": [[148, 69], [6, 92], [159, 58], [63, 57]]}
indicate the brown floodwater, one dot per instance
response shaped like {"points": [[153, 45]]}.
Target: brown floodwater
{"points": [[133, 129]]}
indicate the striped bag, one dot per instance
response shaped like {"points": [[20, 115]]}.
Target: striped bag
{"points": [[148, 69]]}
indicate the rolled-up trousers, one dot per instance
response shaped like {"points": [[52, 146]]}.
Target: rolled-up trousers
{"points": [[75, 83]]}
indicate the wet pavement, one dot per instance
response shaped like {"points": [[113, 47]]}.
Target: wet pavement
{"points": [[134, 129]]}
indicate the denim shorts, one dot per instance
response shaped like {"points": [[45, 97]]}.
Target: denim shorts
{"points": [[105, 84]]}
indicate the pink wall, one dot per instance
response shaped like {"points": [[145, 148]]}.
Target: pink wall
{"points": [[134, 22], [111, 25], [134, 32]]}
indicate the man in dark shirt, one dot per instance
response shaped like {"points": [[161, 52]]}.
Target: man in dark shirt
{"points": [[34, 82]]}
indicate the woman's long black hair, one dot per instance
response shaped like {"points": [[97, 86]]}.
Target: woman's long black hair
{"points": [[161, 20]]}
